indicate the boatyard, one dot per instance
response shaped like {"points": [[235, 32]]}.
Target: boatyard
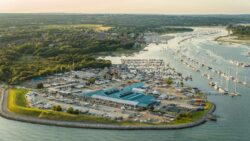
{"points": [[138, 90]]}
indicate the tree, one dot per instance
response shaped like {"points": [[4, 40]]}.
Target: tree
{"points": [[151, 108], [182, 83], [39, 86], [57, 108], [76, 112], [169, 81], [91, 80], [70, 110]]}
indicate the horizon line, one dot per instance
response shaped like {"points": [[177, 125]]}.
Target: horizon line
{"points": [[90, 13]]}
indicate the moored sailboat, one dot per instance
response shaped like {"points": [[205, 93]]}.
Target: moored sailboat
{"points": [[235, 93]]}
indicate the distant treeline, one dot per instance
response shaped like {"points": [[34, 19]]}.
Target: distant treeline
{"points": [[240, 29], [123, 20]]}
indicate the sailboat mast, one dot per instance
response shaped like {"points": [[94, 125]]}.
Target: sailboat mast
{"points": [[236, 79], [226, 85], [245, 80]]}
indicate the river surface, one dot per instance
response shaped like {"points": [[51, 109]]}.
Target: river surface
{"points": [[233, 113]]}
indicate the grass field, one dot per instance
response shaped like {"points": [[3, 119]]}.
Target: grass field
{"points": [[194, 115], [96, 27]]}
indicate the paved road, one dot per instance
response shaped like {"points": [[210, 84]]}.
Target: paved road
{"points": [[9, 115]]}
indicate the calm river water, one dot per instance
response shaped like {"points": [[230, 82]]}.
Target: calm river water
{"points": [[233, 122]]}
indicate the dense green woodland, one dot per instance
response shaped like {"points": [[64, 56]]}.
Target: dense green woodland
{"points": [[240, 29], [30, 51], [123, 20], [33, 45]]}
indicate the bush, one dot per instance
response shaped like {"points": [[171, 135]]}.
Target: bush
{"points": [[91, 80], [182, 83], [186, 115], [77, 111], [39, 86], [57, 108], [72, 111], [169, 81]]}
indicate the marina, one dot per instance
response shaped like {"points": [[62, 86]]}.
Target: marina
{"points": [[232, 122], [137, 90], [131, 70]]}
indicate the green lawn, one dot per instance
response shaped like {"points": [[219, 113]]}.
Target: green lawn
{"points": [[194, 115]]}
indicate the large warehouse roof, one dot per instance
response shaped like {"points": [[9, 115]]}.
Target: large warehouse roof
{"points": [[124, 96]]}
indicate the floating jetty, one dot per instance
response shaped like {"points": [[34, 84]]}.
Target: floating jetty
{"points": [[198, 66], [152, 66]]}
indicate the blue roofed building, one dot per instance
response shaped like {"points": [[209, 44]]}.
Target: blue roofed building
{"points": [[123, 97]]}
